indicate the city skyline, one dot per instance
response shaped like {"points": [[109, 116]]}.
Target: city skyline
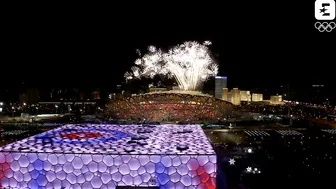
{"points": [[90, 55]]}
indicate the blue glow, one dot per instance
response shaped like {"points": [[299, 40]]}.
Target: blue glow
{"points": [[38, 175], [221, 77]]}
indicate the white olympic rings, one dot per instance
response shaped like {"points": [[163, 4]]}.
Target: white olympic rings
{"points": [[325, 26]]}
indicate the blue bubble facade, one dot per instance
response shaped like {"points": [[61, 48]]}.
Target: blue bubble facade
{"points": [[106, 156]]}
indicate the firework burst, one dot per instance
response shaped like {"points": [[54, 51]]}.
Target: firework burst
{"points": [[190, 64]]}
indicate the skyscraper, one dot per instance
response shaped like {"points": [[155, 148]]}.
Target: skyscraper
{"points": [[220, 83]]}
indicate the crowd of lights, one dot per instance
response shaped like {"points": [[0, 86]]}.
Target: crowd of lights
{"points": [[190, 64], [198, 93], [170, 107], [13, 132]]}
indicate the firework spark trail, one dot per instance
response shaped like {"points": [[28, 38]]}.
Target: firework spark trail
{"points": [[189, 64]]}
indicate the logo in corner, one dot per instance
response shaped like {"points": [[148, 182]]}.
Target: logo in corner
{"points": [[325, 11]]}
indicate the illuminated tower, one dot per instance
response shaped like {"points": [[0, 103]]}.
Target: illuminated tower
{"points": [[225, 94], [235, 99], [220, 83]]}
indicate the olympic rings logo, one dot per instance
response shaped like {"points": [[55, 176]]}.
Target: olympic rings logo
{"points": [[325, 26]]}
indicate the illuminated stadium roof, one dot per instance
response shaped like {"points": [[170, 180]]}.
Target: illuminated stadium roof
{"points": [[170, 106]]}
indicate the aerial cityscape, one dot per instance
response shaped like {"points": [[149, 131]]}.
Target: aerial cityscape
{"points": [[194, 110]]}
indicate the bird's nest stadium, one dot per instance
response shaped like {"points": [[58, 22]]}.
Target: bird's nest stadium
{"points": [[170, 106]]}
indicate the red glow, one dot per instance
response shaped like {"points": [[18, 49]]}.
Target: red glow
{"points": [[205, 177], [81, 135], [211, 184], [3, 168], [207, 182], [200, 170]]}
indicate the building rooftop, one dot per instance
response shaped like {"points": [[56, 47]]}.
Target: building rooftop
{"points": [[117, 139], [220, 77]]}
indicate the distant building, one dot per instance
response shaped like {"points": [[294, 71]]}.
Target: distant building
{"points": [[257, 97], [232, 96], [225, 94], [277, 99], [63, 94], [245, 96], [235, 96], [220, 83], [235, 99]]}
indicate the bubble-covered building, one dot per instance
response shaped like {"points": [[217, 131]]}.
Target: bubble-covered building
{"points": [[108, 156]]}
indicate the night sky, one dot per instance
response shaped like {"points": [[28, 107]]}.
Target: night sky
{"points": [[256, 45]]}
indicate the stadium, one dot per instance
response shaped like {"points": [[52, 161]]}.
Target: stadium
{"points": [[171, 106]]}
